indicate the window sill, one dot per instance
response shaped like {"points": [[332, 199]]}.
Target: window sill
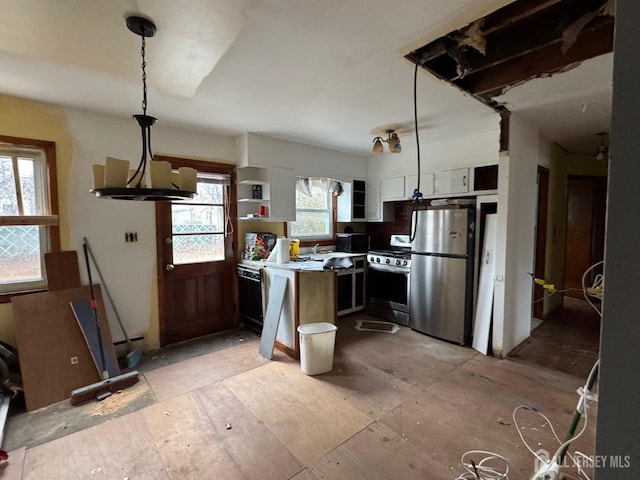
{"points": [[6, 297]]}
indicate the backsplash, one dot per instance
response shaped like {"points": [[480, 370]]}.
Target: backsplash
{"points": [[381, 231]]}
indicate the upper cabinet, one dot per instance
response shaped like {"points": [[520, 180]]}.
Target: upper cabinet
{"points": [[392, 188], [426, 184], [352, 204], [451, 181], [266, 194]]}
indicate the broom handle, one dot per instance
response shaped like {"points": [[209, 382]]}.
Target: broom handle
{"points": [[106, 291], [105, 374]]}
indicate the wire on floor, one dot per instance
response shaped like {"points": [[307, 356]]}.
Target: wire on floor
{"points": [[485, 469]]}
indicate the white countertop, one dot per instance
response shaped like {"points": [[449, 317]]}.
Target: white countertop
{"points": [[314, 264]]}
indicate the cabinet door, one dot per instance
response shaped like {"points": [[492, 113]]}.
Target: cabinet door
{"points": [[344, 203], [392, 188], [374, 203], [452, 181], [426, 184], [283, 194]]}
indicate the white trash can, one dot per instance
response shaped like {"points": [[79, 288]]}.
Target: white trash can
{"points": [[317, 341]]}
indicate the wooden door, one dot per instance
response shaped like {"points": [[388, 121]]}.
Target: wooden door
{"points": [[196, 247], [541, 240], [586, 208]]}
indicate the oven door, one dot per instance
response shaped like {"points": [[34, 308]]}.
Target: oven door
{"points": [[388, 292], [250, 298]]}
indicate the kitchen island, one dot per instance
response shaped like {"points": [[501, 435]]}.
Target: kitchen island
{"points": [[311, 295]]}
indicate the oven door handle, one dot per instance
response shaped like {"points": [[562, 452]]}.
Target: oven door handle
{"points": [[385, 268]]}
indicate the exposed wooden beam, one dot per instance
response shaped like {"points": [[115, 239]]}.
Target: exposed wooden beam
{"points": [[590, 43], [511, 43], [515, 12]]}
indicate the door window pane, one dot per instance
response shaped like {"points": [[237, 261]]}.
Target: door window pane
{"points": [[197, 218], [198, 248]]}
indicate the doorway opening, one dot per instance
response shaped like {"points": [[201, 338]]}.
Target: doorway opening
{"points": [[568, 339]]}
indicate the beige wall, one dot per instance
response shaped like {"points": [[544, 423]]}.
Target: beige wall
{"points": [[28, 119], [84, 138]]}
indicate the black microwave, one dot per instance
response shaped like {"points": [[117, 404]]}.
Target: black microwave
{"points": [[352, 242]]}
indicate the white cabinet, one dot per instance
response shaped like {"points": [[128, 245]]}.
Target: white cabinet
{"points": [[270, 190], [392, 188], [426, 184], [352, 204], [374, 202], [451, 181], [377, 210], [283, 195]]}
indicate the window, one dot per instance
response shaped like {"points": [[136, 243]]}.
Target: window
{"points": [[28, 212], [199, 227], [314, 214]]}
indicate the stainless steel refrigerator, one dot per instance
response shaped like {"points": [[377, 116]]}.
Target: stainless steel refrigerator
{"points": [[441, 277]]}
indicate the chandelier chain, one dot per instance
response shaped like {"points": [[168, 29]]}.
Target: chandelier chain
{"points": [[144, 77]]}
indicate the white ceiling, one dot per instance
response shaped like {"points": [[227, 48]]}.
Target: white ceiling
{"points": [[325, 73]]}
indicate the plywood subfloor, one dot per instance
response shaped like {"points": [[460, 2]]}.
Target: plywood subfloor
{"points": [[384, 412]]}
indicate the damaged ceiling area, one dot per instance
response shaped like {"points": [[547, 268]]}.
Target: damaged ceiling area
{"points": [[525, 40]]}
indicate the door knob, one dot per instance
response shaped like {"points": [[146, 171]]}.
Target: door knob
{"points": [[169, 266]]}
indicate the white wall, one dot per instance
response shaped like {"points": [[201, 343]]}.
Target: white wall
{"points": [[517, 195], [306, 160], [129, 269], [477, 149]]}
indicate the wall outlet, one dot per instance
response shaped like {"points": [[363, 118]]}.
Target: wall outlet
{"points": [[74, 360], [130, 237]]}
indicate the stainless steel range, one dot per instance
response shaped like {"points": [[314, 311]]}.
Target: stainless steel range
{"points": [[388, 281]]}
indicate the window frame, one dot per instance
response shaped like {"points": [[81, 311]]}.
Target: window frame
{"points": [[324, 240], [50, 221]]}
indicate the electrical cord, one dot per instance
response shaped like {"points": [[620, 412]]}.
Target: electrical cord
{"points": [[550, 468], [597, 290], [550, 465], [481, 470], [417, 196]]}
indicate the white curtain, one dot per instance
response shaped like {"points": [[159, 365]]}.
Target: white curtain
{"points": [[304, 185]]}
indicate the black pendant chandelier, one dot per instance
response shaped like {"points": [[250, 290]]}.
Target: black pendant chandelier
{"points": [[116, 180]]}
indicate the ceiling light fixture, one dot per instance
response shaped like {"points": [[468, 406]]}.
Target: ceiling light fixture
{"points": [[116, 181], [601, 152], [392, 139]]}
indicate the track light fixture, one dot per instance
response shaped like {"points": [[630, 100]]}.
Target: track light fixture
{"points": [[116, 181], [392, 139]]}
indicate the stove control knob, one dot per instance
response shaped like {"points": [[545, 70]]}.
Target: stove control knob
{"points": [[377, 260], [371, 259], [405, 263], [397, 262], [387, 261]]}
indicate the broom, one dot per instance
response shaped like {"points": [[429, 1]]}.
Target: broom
{"points": [[135, 354]]}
